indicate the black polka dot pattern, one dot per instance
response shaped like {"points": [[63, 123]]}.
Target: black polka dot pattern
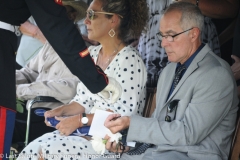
{"points": [[69, 148]]}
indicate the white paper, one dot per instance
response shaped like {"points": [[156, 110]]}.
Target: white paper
{"points": [[97, 127], [131, 144]]}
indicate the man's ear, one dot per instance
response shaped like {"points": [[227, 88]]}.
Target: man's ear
{"points": [[195, 33]]}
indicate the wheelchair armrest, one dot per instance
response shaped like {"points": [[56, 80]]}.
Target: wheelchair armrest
{"points": [[45, 99], [37, 99], [40, 99]]}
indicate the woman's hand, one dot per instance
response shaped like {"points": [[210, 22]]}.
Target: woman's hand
{"points": [[67, 125], [52, 113]]}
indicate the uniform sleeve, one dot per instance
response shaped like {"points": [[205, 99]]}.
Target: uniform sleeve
{"points": [[66, 40]]}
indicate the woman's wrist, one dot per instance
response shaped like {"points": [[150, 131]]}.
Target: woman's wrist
{"points": [[88, 116], [80, 122], [62, 111]]}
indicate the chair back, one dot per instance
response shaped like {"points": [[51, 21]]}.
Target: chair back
{"points": [[150, 103]]}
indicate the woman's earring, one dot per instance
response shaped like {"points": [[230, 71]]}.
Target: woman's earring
{"points": [[111, 33]]}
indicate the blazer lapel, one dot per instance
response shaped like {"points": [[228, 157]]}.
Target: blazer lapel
{"points": [[193, 66], [164, 86], [167, 79]]}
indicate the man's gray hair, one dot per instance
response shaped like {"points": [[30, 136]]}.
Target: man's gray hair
{"points": [[191, 15]]}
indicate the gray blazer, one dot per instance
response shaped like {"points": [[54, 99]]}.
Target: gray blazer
{"points": [[206, 112]]}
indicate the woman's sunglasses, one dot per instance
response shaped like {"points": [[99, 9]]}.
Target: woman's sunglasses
{"points": [[91, 14]]}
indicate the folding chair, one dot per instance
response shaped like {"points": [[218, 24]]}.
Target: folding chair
{"points": [[150, 103]]}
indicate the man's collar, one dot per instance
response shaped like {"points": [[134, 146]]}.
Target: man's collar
{"points": [[190, 59]]}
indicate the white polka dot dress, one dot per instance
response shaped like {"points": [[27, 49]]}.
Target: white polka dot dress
{"points": [[129, 70]]}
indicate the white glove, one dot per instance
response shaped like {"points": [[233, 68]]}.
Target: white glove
{"points": [[114, 87]]}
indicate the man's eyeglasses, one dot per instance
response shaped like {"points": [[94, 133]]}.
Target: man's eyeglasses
{"points": [[172, 106], [170, 38], [91, 13]]}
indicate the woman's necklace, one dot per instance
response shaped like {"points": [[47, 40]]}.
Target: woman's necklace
{"points": [[103, 63]]}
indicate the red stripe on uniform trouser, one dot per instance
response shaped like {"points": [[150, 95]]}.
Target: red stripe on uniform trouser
{"points": [[3, 116]]}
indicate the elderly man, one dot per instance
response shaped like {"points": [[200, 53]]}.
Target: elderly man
{"points": [[195, 118]]}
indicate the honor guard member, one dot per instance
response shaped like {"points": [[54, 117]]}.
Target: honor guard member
{"points": [[62, 34]]}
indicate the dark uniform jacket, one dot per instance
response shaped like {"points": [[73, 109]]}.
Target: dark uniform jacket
{"points": [[62, 34]]}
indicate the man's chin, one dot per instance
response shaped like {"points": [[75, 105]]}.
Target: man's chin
{"points": [[171, 59]]}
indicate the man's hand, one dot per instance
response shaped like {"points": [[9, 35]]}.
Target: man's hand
{"points": [[236, 67], [114, 87], [30, 29], [115, 123], [114, 147], [67, 125]]}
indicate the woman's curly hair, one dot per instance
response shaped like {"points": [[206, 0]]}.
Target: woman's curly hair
{"points": [[135, 17]]}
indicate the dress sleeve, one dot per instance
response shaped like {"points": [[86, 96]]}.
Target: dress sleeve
{"points": [[130, 72], [82, 97]]}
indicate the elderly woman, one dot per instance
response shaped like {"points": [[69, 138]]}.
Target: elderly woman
{"points": [[113, 23]]}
